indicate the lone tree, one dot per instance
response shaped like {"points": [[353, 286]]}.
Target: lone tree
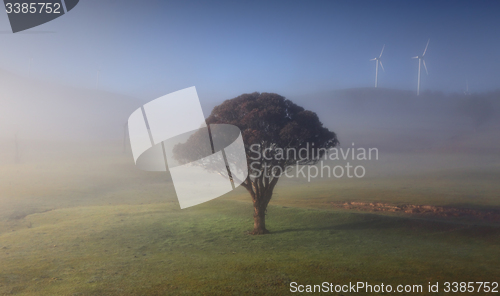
{"points": [[271, 127]]}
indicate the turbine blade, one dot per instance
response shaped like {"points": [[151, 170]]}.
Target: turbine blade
{"points": [[423, 61], [382, 51], [426, 47], [381, 66]]}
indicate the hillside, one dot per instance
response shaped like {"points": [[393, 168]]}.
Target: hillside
{"points": [[47, 116], [400, 121], [38, 109]]}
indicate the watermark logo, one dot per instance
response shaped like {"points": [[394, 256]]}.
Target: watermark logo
{"points": [[26, 14], [170, 133], [308, 162]]}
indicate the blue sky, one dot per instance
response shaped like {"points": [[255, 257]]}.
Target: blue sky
{"points": [[225, 48]]}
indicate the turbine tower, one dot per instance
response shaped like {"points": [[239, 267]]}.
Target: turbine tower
{"points": [[421, 61], [378, 61], [466, 91]]}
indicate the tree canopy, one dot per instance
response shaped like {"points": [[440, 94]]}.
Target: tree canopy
{"points": [[270, 124]]}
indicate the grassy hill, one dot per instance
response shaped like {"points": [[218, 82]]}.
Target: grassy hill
{"points": [[157, 249], [400, 121], [78, 218]]}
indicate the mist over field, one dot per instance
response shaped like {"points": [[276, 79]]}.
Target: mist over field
{"points": [[71, 172], [78, 217], [83, 132], [400, 121]]}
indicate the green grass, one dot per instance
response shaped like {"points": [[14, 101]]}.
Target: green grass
{"points": [[157, 249], [476, 188], [99, 226]]}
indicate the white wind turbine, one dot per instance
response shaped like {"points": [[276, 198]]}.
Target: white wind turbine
{"points": [[378, 61], [466, 92], [421, 61]]}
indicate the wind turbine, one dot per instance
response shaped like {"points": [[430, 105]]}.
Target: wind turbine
{"points": [[466, 92], [378, 61], [421, 61]]}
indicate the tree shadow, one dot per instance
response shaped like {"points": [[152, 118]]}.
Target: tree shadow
{"points": [[364, 225]]}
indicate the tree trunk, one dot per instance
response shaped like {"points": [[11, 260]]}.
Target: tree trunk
{"points": [[261, 192], [259, 220]]}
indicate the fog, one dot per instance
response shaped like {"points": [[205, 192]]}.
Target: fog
{"points": [[49, 118], [65, 146], [79, 216], [399, 121]]}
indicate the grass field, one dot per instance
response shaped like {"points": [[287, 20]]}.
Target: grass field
{"points": [[108, 229], [160, 250]]}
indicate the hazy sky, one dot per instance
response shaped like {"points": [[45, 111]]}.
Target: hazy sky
{"points": [[225, 48]]}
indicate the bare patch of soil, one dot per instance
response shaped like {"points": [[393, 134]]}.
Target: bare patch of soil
{"points": [[486, 215]]}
